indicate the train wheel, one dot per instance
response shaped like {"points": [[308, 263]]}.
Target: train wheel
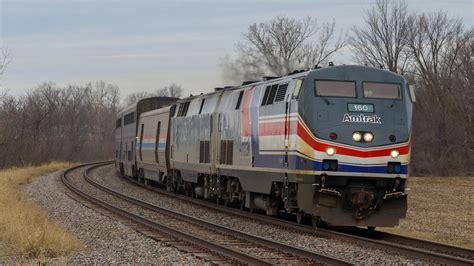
{"points": [[242, 201], [170, 186], [242, 204], [141, 175], [187, 189], [226, 202], [315, 221], [299, 217]]}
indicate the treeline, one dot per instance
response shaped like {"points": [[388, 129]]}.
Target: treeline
{"points": [[432, 50], [73, 123]]}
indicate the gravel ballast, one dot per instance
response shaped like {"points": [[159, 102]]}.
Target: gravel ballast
{"points": [[105, 240], [343, 250]]}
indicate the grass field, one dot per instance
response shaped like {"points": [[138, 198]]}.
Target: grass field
{"points": [[25, 228], [440, 209]]}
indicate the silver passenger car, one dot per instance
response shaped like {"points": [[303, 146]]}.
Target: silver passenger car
{"points": [[126, 132]]}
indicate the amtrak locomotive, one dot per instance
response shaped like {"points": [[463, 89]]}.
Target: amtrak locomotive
{"points": [[329, 143]]}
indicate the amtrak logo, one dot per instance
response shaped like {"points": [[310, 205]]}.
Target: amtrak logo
{"points": [[371, 119]]}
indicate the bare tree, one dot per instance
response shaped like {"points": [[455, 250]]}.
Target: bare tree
{"points": [[435, 41], [433, 51], [280, 46], [440, 48], [382, 40], [136, 96], [73, 123], [4, 60], [173, 90], [319, 51]]}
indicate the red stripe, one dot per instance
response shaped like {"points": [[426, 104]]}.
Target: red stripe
{"points": [[153, 136], [278, 128], [319, 146], [275, 128]]}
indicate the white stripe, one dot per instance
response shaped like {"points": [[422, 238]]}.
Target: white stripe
{"points": [[308, 172]]}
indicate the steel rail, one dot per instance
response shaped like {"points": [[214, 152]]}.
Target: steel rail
{"points": [[284, 248], [462, 255], [206, 245], [432, 245], [448, 249]]}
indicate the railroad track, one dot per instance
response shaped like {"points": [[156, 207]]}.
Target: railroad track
{"points": [[430, 250], [211, 242], [465, 254]]}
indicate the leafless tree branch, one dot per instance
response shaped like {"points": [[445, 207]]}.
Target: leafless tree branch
{"points": [[381, 41], [279, 46]]}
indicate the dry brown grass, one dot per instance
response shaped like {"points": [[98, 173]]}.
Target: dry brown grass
{"points": [[24, 226], [440, 209]]}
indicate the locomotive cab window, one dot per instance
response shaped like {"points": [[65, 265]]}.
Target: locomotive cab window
{"points": [[296, 92], [382, 90], [333, 88]]}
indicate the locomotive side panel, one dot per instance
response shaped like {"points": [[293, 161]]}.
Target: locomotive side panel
{"points": [[191, 133], [232, 150]]}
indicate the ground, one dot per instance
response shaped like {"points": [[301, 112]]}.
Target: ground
{"points": [[440, 209]]}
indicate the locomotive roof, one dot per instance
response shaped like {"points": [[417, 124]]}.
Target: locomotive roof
{"points": [[279, 79]]}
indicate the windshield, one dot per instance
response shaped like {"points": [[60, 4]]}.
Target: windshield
{"points": [[382, 90], [335, 88]]}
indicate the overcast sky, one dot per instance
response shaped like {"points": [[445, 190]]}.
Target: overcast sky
{"points": [[144, 45]]}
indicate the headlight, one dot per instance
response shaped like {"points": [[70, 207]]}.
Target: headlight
{"points": [[330, 151], [368, 137], [394, 153], [356, 136]]}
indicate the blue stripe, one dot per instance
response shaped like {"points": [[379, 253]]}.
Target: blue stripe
{"points": [[296, 162], [152, 145]]}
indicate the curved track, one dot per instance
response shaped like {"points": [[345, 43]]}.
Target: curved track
{"points": [[219, 244], [433, 251]]}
